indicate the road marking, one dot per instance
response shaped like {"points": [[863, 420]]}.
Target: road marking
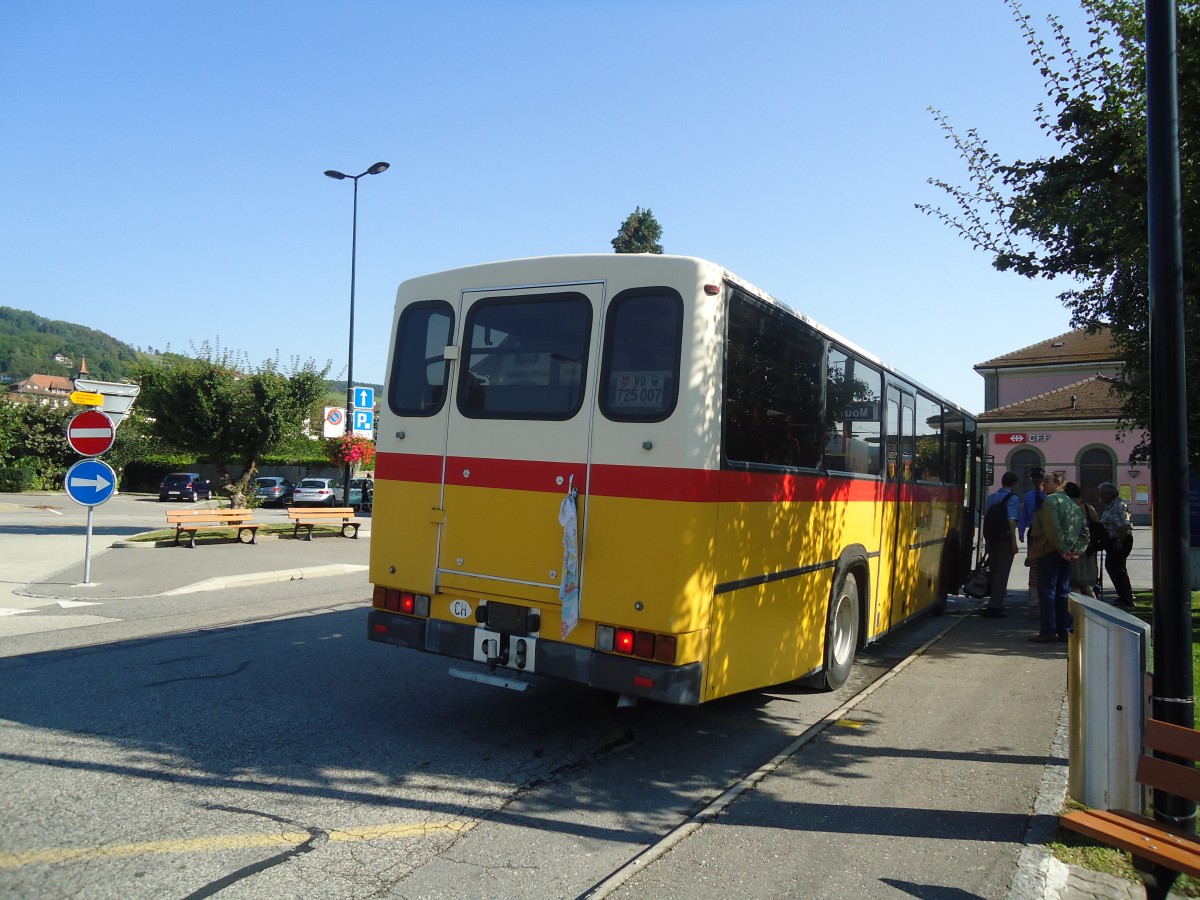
{"points": [[229, 842], [71, 604], [10, 611]]}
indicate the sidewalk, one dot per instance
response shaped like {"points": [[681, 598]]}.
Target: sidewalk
{"points": [[923, 788]]}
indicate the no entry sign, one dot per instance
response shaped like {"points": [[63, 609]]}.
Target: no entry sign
{"points": [[90, 433]]}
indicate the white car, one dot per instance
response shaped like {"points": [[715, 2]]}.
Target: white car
{"points": [[317, 492]]}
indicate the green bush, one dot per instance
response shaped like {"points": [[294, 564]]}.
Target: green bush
{"points": [[16, 479]]}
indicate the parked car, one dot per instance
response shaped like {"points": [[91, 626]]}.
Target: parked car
{"points": [[317, 492], [184, 486], [357, 486], [273, 489]]}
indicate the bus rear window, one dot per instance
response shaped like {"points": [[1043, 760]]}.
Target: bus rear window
{"points": [[640, 375], [419, 366], [525, 357]]}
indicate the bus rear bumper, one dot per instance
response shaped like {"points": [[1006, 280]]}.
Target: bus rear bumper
{"points": [[605, 671]]}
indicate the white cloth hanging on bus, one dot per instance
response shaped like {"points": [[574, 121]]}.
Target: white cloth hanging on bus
{"points": [[568, 591]]}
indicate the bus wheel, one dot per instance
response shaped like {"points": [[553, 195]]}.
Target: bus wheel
{"points": [[841, 632]]}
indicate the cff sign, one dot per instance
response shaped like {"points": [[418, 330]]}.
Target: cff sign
{"points": [[90, 433], [1022, 438]]}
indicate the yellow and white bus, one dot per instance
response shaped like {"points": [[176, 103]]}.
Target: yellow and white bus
{"points": [[644, 474]]}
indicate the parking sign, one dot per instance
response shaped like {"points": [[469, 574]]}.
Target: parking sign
{"points": [[364, 423]]}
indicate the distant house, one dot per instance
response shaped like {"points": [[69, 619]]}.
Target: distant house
{"points": [[43, 390], [63, 359], [1051, 405]]}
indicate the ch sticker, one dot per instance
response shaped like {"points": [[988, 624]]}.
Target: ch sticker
{"points": [[460, 609]]}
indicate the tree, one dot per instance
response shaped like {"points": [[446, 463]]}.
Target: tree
{"points": [[213, 406], [639, 233], [33, 437], [1082, 212]]}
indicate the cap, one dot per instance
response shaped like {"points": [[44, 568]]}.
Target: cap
{"points": [[1035, 472]]}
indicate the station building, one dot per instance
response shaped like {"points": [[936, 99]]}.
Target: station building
{"points": [[1051, 405]]}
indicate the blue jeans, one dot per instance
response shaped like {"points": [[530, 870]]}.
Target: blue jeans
{"points": [[1054, 591]]}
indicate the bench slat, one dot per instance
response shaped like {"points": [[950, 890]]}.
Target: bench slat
{"points": [[1173, 739], [1142, 841], [1164, 775]]}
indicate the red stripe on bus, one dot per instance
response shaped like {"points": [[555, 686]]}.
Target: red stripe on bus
{"points": [[653, 483]]}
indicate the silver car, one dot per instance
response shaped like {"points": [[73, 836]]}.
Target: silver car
{"points": [[317, 492], [273, 489]]}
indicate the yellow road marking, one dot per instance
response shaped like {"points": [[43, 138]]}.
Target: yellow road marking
{"points": [[227, 842]]}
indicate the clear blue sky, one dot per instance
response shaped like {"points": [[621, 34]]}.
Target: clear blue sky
{"points": [[162, 161]]}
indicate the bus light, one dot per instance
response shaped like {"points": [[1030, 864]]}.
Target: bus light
{"points": [[604, 638], [624, 640], [643, 645], [394, 600], [664, 648]]}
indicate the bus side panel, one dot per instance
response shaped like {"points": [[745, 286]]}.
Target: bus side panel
{"points": [[656, 553], [766, 634], [769, 633]]}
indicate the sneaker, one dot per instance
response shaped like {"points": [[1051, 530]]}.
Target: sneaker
{"points": [[989, 612]]}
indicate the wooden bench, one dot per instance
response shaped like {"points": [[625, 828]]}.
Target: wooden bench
{"points": [[193, 520], [1160, 851], [308, 516]]}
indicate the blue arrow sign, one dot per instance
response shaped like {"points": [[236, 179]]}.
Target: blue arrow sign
{"points": [[90, 482], [364, 398]]}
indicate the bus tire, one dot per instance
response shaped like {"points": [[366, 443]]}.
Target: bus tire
{"points": [[841, 631]]}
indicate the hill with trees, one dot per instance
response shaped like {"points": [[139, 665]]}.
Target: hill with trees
{"points": [[30, 343]]}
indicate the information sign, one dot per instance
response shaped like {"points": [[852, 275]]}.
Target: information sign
{"points": [[364, 423], [90, 482], [364, 398]]}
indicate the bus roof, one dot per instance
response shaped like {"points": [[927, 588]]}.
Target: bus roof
{"points": [[603, 261]]}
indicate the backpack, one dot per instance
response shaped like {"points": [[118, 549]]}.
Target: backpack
{"points": [[995, 520]]}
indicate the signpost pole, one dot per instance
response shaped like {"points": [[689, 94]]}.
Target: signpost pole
{"points": [[87, 549]]}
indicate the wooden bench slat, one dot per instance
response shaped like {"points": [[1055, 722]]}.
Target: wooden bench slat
{"points": [[1162, 774], [1173, 739], [1147, 843], [1148, 840]]}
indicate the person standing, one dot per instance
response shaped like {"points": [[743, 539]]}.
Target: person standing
{"points": [[1000, 539], [1029, 505], [1115, 519], [1085, 571], [1058, 535]]}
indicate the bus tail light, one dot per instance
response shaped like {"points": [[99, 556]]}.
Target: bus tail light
{"points": [[398, 601], [644, 644]]}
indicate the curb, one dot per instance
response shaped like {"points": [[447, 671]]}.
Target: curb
{"points": [[252, 578]]}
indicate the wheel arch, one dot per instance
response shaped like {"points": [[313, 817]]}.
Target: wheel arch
{"points": [[854, 561]]}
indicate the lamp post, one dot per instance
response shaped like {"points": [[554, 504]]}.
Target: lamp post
{"points": [[334, 173]]}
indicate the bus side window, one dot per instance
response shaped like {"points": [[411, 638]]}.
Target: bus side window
{"points": [[642, 340], [774, 377], [853, 414], [419, 367]]}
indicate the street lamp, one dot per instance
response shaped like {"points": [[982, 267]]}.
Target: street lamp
{"points": [[334, 173]]}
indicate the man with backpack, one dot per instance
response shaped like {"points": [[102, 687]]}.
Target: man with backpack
{"points": [[1000, 541]]}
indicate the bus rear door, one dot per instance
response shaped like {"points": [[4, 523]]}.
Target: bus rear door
{"points": [[517, 441]]}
